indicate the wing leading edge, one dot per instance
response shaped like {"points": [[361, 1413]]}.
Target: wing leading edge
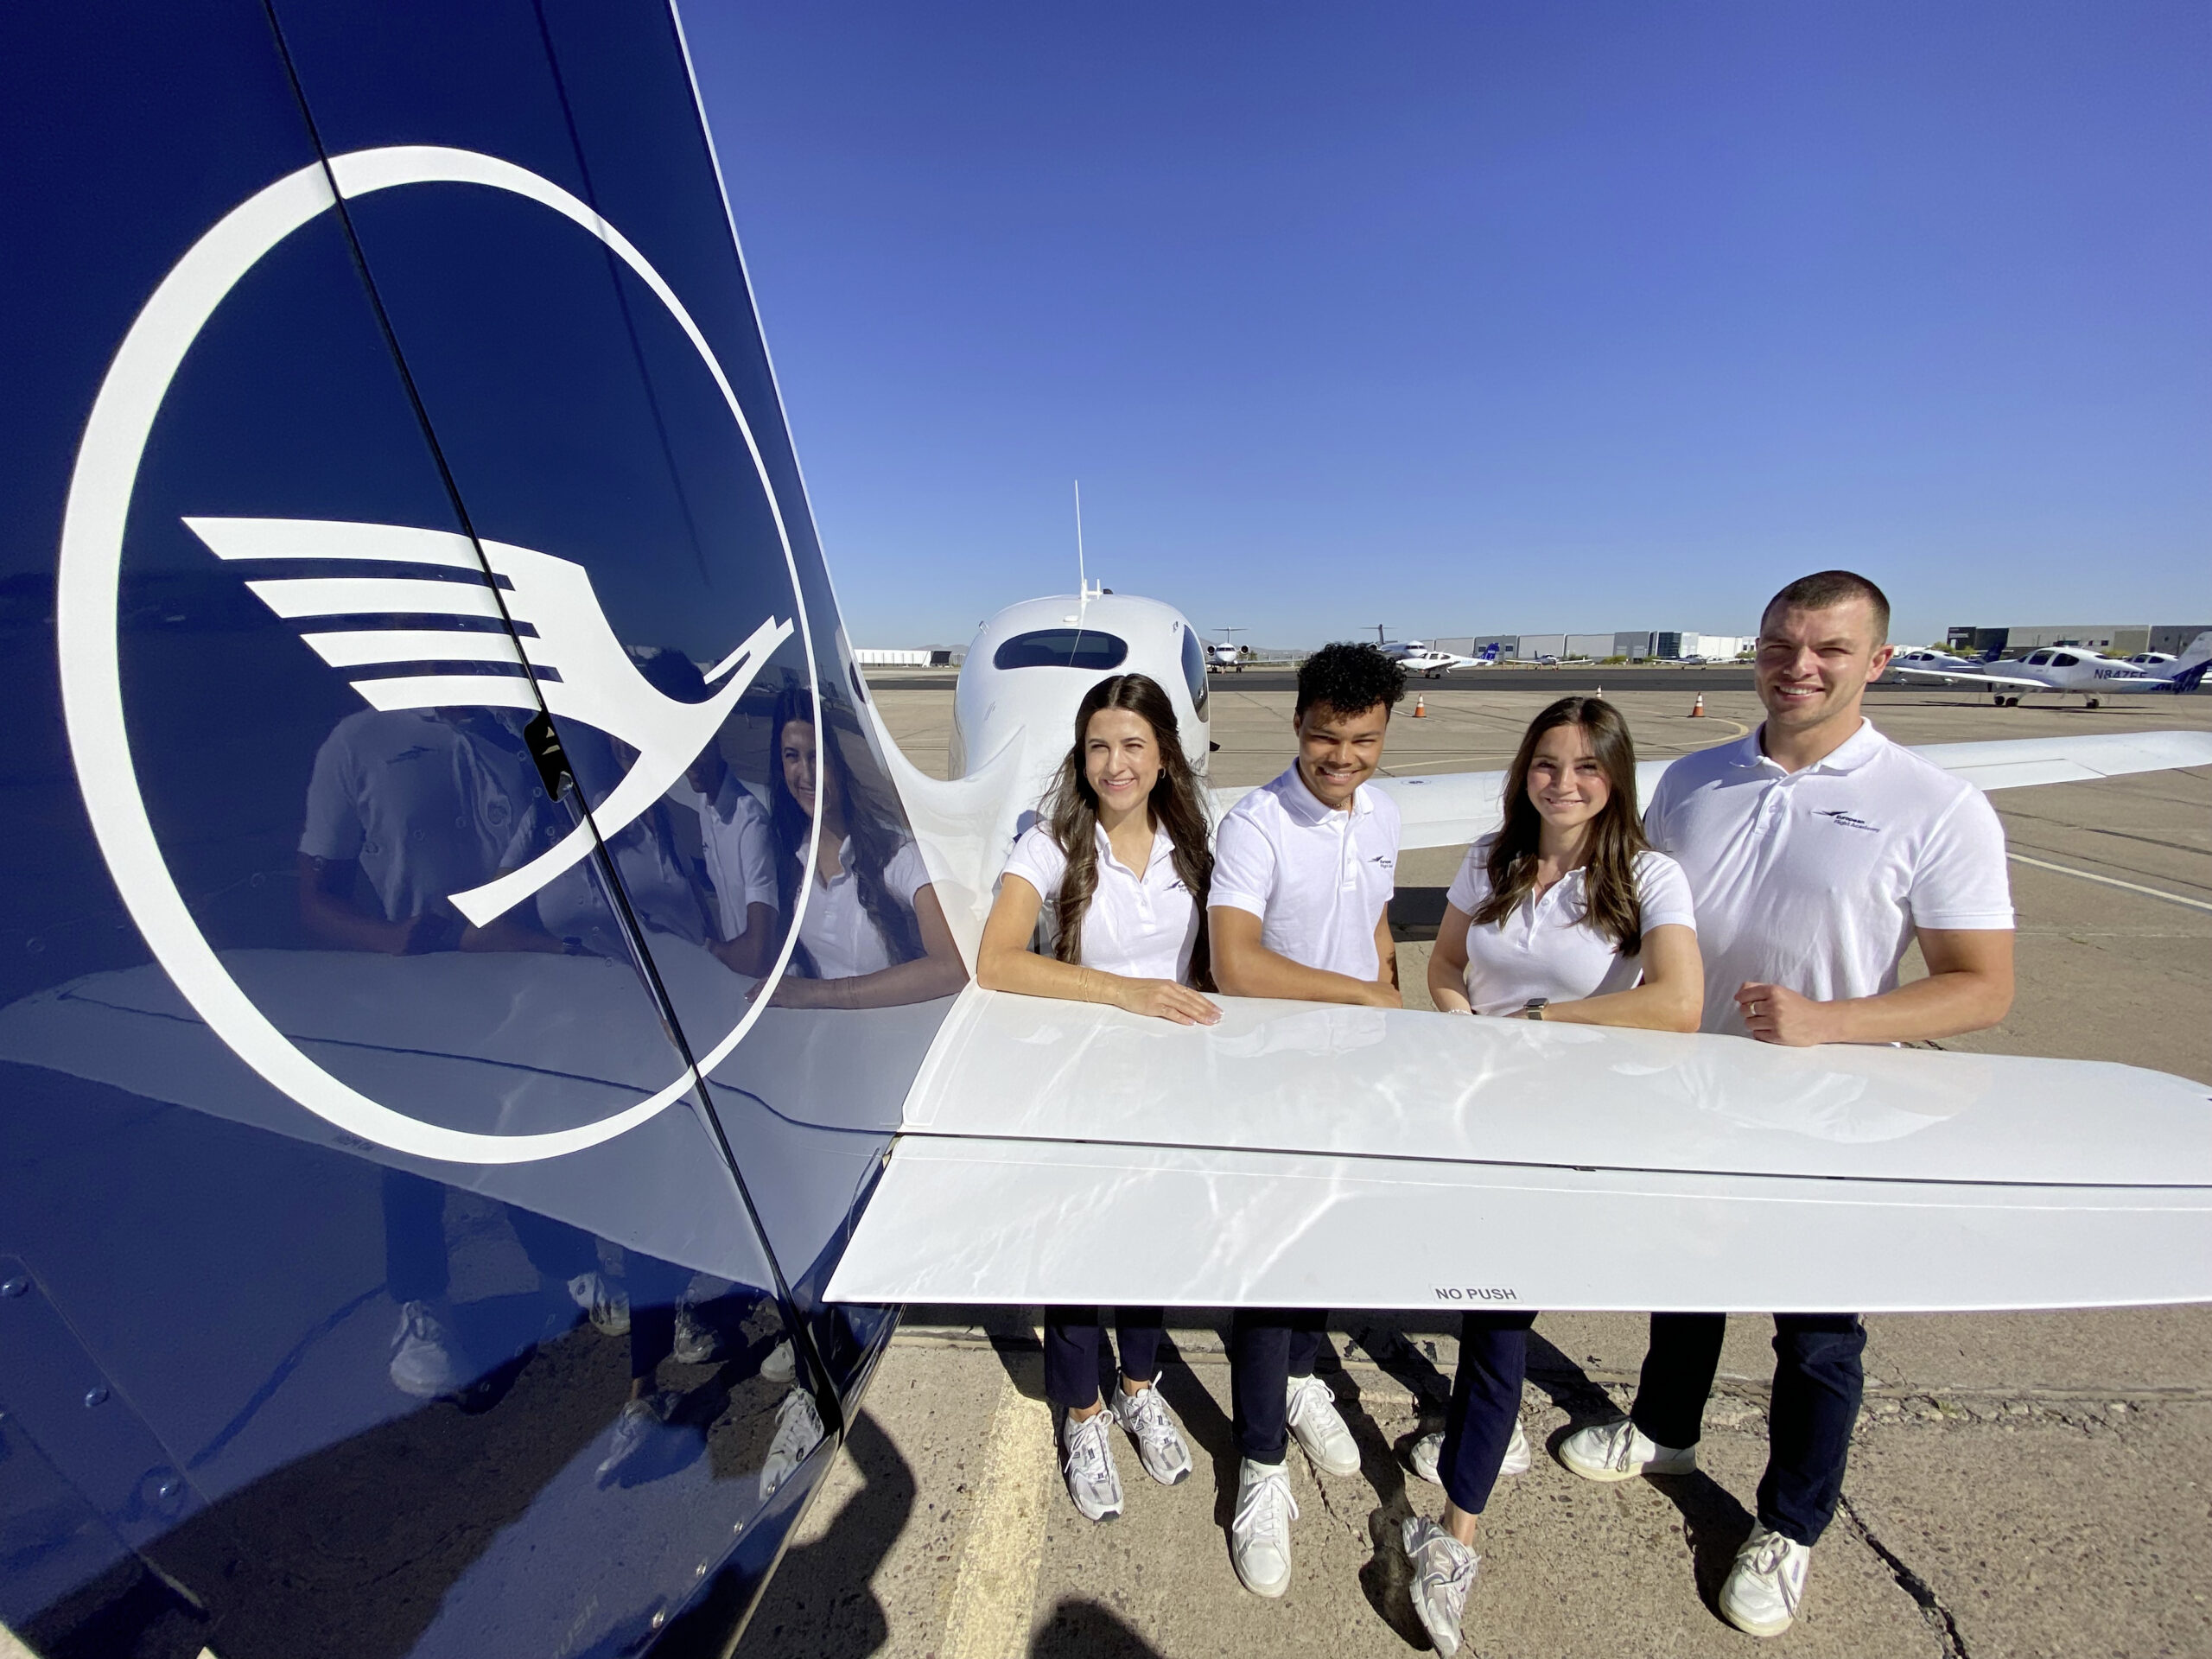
{"points": [[1450, 808]]}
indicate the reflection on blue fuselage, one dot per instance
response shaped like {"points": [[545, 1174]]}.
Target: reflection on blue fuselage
{"points": [[281, 1373]]}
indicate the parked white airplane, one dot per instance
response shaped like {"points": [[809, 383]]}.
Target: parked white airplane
{"points": [[1309, 1155], [2066, 669], [1427, 661], [1222, 656]]}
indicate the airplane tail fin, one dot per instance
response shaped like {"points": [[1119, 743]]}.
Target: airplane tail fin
{"points": [[2192, 676]]}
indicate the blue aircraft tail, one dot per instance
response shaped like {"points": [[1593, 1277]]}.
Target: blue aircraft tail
{"points": [[414, 1206]]}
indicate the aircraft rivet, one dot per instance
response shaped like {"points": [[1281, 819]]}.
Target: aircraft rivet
{"points": [[700, 1570], [14, 1286], [168, 1487], [97, 1394], [660, 1617], [740, 1526]]}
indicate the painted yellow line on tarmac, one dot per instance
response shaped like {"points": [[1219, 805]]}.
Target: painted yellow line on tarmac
{"points": [[2111, 881], [997, 1579]]}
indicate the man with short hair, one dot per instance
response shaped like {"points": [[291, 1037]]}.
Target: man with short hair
{"points": [[1304, 868], [1816, 851]]}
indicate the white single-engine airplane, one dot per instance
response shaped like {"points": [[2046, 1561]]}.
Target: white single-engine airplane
{"points": [[1297, 1154], [2065, 669], [1429, 661]]}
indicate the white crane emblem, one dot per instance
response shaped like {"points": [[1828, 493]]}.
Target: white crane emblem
{"points": [[433, 623]]}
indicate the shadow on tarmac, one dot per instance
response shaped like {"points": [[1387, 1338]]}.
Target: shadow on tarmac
{"points": [[1084, 1630], [819, 1602]]}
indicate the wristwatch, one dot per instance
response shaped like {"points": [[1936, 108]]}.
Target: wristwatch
{"points": [[1534, 1007]]}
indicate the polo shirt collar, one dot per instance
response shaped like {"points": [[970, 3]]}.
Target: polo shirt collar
{"points": [[1847, 756], [1307, 807], [1163, 846]]}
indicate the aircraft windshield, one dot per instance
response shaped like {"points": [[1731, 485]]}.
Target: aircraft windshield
{"points": [[1062, 648], [1194, 672]]}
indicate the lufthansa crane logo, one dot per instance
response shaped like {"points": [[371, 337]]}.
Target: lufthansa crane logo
{"points": [[390, 643]]}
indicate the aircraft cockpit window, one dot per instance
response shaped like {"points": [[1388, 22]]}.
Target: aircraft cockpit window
{"points": [[2064, 659], [1194, 672], [1062, 648], [2038, 659]]}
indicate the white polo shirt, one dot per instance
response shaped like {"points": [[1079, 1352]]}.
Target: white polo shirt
{"points": [[428, 805], [1546, 947], [1817, 880], [1140, 924], [834, 927], [733, 839], [1317, 879]]}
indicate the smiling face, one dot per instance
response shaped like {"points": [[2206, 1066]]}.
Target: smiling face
{"points": [[1121, 760], [1814, 666], [1337, 752], [1567, 784], [795, 749]]}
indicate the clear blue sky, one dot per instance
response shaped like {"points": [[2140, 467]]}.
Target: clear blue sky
{"points": [[1478, 317]]}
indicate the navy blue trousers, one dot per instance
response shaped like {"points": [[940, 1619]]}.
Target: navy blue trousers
{"points": [[1267, 1348], [1486, 1404], [1071, 1339], [1820, 1375]]}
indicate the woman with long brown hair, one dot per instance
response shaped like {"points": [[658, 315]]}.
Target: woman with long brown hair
{"points": [[1566, 914], [873, 935], [1119, 865]]}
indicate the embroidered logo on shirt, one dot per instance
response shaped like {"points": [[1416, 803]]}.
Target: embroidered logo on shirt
{"points": [[1846, 819]]}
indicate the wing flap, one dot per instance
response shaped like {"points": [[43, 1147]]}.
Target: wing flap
{"points": [[969, 1221]]}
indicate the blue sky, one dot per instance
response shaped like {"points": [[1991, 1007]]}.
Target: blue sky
{"points": [[1486, 317]]}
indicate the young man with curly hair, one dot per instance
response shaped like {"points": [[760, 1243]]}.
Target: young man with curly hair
{"points": [[1303, 872]]}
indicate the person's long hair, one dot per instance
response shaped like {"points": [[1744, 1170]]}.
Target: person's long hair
{"points": [[873, 831], [1070, 815], [1616, 836]]}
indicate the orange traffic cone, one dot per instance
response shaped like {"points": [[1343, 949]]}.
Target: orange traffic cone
{"points": [[1697, 709], [1421, 707]]}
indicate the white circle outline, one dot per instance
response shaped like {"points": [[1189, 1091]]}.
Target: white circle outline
{"points": [[87, 585]]}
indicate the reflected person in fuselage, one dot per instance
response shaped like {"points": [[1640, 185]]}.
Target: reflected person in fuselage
{"points": [[1121, 859], [874, 935], [1565, 914], [1304, 868]]}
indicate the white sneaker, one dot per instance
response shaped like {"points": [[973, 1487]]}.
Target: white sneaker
{"points": [[1144, 1415], [428, 1360], [1259, 1536], [798, 1431], [697, 1342], [1444, 1571], [640, 1445], [781, 1365], [1086, 1461], [1767, 1582], [1319, 1427], [1422, 1456], [607, 1302], [1621, 1450]]}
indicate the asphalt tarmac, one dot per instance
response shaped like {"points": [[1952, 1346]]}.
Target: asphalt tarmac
{"points": [[2020, 1483]]}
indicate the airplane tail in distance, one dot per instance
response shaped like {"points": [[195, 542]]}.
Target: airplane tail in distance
{"points": [[2192, 676]]}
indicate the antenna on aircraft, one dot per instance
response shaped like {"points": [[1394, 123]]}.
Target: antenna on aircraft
{"points": [[1082, 581]]}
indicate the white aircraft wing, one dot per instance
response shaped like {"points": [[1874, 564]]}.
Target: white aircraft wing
{"points": [[1971, 675], [1451, 809], [1305, 1155]]}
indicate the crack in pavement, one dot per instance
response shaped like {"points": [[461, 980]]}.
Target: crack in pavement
{"points": [[1949, 1641]]}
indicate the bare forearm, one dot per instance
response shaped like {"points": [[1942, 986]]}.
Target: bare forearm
{"points": [[1262, 973], [1647, 1008], [1027, 974], [1447, 984], [1942, 1005], [923, 980]]}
